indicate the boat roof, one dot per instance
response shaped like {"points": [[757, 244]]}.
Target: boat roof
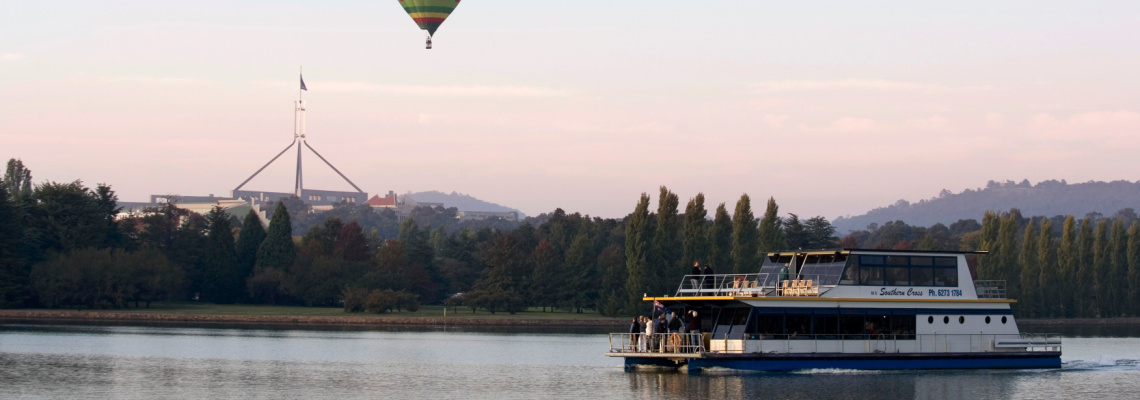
{"points": [[860, 251]]}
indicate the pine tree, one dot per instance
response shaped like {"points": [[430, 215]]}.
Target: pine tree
{"points": [[218, 278], [581, 268], [1030, 272], [771, 233], [546, 279], [636, 257], [14, 274], [1118, 263], [745, 238], [1067, 259], [249, 240], [696, 242], [277, 251], [720, 240], [1134, 269], [1048, 279], [666, 253]]}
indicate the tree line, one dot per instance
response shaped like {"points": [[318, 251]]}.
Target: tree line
{"points": [[61, 246]]}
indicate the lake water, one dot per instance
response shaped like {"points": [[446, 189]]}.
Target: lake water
{"points": [[78, 362]]}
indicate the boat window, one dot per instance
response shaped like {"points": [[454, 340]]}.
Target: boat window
{"points": [[797, 326], [870, 275], [898, 260], [897, 276], [903, 326], [877, 325], [945, 277], [768, 326], [825, 326], [850, 325], [851, 275], [920, 276], [871, 260], [823, 270], [922, 261], [945, 261]]}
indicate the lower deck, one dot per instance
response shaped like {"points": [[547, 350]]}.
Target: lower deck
{"points": [[862, 352]]}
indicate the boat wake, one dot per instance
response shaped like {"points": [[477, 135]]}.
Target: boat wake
{"points": [[1100, 362]]}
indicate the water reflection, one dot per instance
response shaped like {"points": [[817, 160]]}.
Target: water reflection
{"points": [[148, 362]]}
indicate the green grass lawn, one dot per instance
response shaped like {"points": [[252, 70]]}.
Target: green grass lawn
{"points": [[425, 311]]}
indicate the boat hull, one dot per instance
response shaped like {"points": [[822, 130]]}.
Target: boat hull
{"points": [[865, 362]]}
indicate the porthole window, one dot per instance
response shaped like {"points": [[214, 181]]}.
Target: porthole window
{"points": [[961, 320], [946, 320], [987, 320], [930, 319], [1003, 320]]}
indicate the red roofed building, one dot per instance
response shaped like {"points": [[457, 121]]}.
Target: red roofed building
{"points": [[388, 201]]}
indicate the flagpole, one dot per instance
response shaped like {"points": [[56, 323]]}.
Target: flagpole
{"points": [[301, 73]]}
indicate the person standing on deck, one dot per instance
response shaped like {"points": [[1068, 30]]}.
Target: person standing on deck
{"points": [[634, 332], [650, 338], [695, 276], [694, 329], [674, 331]]}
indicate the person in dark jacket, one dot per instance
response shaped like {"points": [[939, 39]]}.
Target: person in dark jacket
{"points": [[694, 328], [694, 275], [634, 333]]}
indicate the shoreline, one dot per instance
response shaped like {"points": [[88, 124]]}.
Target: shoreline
{"points": [[103, 317], [376, 321]]}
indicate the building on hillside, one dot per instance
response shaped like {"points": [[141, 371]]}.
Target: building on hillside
{"points": [[388, 201], [485, 215], [196, 204]]}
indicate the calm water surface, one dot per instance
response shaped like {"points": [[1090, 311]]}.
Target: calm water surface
{"points": [[75, 362]]}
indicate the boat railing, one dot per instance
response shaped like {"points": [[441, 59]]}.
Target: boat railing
{"points": [[886, 343], [657, 343], [990, 289], [749, 285]]}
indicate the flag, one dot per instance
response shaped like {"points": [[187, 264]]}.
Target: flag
{"points": [[303, 84], [659, 308]]}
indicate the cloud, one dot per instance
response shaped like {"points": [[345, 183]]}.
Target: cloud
{"points": [[1106, 118], [791, 86], [11, 56], [431, 91], [142, 80]]}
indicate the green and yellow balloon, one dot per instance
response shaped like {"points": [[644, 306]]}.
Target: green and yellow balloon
{"points": [[429, 14]]}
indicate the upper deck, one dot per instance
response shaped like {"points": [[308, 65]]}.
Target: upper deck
{"points": [[852, 275]]}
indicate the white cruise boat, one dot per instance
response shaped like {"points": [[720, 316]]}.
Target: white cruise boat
{"points": [[849, 309]]}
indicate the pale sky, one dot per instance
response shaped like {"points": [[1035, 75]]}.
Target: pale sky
{"points": [[832, 107]]}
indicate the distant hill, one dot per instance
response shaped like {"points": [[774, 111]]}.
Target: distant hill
{"points": [[460, 201], [1046, 198]]}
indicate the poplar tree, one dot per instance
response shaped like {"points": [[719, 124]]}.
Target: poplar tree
{"points": [[1085, 275], [1067, 255], [720, 239], [1102, 289], [1118, 263], [663, 272], [1030, 298], [636, 259], [1134, 268], [1048, 278], [991, 222], [1007, 268], [771, 232], [696, 241], [14, 274], [544, 282], [745, 238], [277, 251]]}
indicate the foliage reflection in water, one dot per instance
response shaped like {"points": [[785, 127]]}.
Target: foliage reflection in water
{"points": [[149, 362]]}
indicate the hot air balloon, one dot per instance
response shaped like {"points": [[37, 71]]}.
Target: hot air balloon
{"points": [[429, 14]]}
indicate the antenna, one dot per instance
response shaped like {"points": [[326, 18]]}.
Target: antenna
{"points": [[300, 140]]}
